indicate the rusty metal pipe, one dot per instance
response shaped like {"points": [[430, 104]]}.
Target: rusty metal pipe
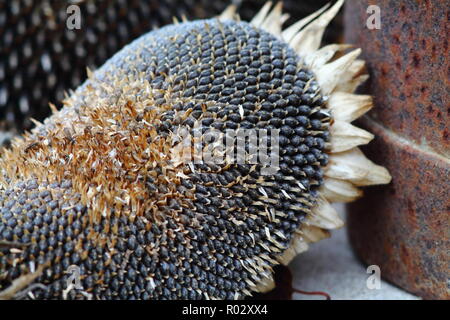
{"points": [[405, 227]]}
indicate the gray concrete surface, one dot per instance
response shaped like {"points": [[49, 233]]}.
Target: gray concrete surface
{"points": [[331, 266]]}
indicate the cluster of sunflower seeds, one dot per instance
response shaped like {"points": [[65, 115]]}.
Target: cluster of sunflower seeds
{"points": [[231, 223]]}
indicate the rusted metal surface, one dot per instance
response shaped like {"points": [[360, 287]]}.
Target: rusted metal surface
{"points": [[405, 227], [409, 66]]}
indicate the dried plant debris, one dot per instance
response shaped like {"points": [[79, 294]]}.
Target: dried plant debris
{"points": [[41, 59], [98, 187]]}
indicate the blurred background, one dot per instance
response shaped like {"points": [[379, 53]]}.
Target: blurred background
{"points": [[41, 59]]}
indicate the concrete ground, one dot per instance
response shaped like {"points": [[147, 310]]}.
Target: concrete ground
{"points": [[331, 266]]}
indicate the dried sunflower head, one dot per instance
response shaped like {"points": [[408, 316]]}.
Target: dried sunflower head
{"points": [[104, 183]]}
